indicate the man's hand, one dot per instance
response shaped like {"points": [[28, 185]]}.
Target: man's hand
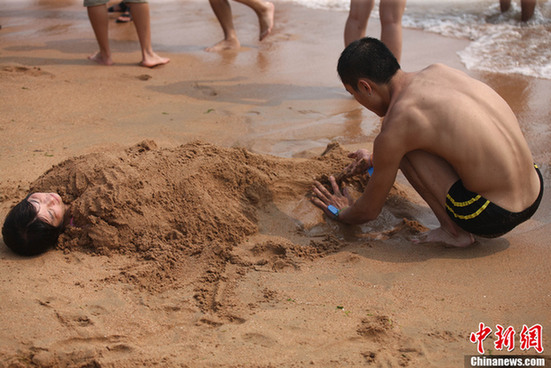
{"points": [[323, 198], [363, 160]]}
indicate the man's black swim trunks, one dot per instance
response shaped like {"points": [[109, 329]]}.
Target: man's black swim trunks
{"points": [[477, 215]]}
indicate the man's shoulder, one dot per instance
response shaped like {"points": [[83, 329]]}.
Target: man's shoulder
{"points": [[405, 114], [441, 73], [438, 67]]}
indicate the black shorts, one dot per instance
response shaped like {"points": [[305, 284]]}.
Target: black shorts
{"points": [[479, 216]]}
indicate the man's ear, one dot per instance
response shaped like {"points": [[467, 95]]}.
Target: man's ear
{"points": [[365, 86]]}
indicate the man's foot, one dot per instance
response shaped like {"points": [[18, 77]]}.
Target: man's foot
{"points": [[441, 236], [266, 20], [152, 60], [99, 58], [230, 44], [125, 17]]}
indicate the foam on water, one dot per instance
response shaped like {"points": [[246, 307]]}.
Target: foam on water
{"points": [[499, 42]]}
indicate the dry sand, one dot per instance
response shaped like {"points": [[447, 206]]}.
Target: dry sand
{"points": [[213, 255]]}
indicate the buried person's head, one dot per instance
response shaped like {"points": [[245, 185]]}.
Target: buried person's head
{"points": [[34, 224]]}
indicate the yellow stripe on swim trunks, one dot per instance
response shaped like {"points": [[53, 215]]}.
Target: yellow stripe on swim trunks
{"points": [[462, 204], [467, 203]]}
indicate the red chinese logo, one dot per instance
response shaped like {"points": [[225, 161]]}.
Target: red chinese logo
{"points": [[505, 338], [530, 337], [479, 336]]}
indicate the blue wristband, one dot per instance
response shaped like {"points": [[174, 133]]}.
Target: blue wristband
{"points": [[334, 210]]}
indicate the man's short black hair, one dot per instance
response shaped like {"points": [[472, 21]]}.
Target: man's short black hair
{"points": [[27, 235], [367, 58]]}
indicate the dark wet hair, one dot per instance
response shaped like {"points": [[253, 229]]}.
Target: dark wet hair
{"points": [[27, 235], [367, 58]]}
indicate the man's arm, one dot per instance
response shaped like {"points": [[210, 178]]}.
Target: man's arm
{"points": [[386, 162]]}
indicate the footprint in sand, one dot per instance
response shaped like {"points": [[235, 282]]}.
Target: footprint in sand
{"points": [[74, 319], [34, 71], [374, 325], [206, 90], [258, 339]]}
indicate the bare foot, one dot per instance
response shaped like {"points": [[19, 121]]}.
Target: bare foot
{"points": [[441, 236], [266, 19], [152, 60], [230, 44], [99, 58]]}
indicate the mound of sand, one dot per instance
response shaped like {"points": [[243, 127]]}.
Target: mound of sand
{"points": [[145, 200], [185, 209]]}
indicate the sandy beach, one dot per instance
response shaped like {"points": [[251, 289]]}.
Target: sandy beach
{"points": [[269, 282]]}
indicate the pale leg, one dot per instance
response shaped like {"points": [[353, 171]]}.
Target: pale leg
{"points": [[99, 20], [357, 20], [140, 14], [222, 10], [432, 177], [265, 12], [391, 12]]}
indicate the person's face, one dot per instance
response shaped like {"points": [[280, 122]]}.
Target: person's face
{"points": [[361, 94], [49, 206], [366, 96]]}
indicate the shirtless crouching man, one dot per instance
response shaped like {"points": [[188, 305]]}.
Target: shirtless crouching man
{"points": [[455, 139]]}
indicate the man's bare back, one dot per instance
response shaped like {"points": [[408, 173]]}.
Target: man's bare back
{"points": [[465, 122]]}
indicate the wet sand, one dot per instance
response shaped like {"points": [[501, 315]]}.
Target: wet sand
{"points": [[298, 291]]}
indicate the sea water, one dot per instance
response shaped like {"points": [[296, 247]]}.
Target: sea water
{"points": [[500, 42]]}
